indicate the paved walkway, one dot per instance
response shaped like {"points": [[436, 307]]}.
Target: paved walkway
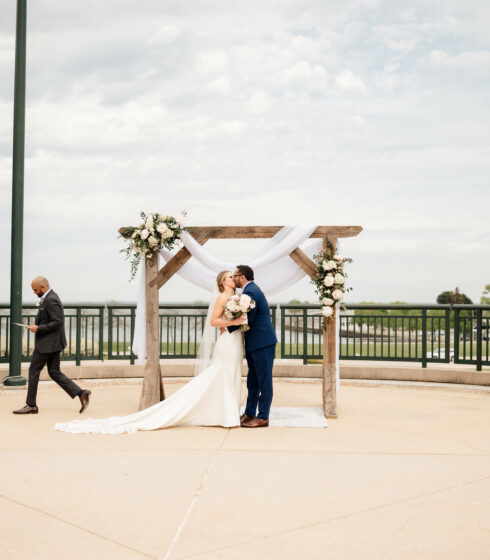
{"points": [[403, 473]]}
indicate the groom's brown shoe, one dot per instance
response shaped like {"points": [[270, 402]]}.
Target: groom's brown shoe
{"points": [[84, 399], [27, 410], [245, 418], [256, 423]]}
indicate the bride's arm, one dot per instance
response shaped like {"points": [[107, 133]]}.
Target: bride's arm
{"points": [[217, 319]]}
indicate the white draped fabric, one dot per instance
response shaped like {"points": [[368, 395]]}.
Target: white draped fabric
{"points": [[274, 270]]}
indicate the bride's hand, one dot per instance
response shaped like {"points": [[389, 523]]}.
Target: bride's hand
{"points": [[239, 321]]}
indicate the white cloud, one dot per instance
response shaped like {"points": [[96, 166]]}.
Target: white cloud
{"points": [[211, 61], [165, 35], [222, 85], [350, 82]]}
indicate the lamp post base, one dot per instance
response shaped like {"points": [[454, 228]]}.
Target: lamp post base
{"points": [[15, 381]]}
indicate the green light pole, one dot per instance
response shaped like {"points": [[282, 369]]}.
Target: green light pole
{"points": [[16, 256]]}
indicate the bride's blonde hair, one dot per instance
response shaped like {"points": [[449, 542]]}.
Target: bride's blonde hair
{"points": [[220, 280]]}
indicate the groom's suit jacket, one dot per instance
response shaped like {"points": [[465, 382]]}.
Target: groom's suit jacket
{"points": [[261, 333], [50, 319]]}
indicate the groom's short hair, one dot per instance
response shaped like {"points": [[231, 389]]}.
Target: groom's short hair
{"points": [[246, 271]]}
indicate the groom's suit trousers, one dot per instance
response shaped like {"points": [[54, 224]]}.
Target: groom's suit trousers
{"points": [[259, 381]]}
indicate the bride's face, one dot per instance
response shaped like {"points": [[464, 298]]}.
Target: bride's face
{"points": [[229, 282]]}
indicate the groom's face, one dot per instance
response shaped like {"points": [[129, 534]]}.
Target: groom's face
{"points": [[240, 280]]}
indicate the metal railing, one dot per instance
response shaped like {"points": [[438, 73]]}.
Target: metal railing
{"points": [[412, 333], [84, 330], [471, 335], [180, 326], [408, 333]]}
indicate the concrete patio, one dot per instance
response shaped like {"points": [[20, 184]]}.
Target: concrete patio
{"points": [[403, 473]]}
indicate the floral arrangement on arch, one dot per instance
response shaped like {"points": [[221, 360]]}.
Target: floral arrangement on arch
{"points": [[156, 231], [329, 281]]}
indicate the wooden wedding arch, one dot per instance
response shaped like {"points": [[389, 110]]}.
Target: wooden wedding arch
{"points": [[153, 390]]}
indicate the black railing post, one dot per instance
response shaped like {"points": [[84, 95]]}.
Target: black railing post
{"points": [[478, 339], [133, 317], [447, 334], [305, 335], [283, 331], [101, 333], [78, 336], [456, 334], [424, 338], [109, 333]]}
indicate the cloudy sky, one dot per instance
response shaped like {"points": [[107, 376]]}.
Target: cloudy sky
{"points": [[371, 113]]}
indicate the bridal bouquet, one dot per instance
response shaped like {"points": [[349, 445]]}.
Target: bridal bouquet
{"points": [[237, 305], [156, 231], [329, 281]]}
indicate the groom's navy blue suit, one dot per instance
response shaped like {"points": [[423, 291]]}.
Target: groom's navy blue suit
{"points": [[260, 348]]}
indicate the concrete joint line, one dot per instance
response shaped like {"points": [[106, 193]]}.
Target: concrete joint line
{"points": [[339, 518], [71, 524], [194, 499]]}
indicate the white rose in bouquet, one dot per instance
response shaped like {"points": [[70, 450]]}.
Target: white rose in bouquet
{"points": [[162, 228], [245, 302], [152, 241], [339, 279], [329, 280], [327, 311], [149, 222], [327, 301], [329, 265], [337, 294], [144, 234]]}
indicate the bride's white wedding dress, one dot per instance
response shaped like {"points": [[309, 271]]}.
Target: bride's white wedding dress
{"points": [[210, 399]]}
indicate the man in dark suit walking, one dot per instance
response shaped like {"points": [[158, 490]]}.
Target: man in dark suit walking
{"points": [[260, 349], [50, 340]]}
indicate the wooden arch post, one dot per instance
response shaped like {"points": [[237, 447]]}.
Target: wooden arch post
{"points": [[153, 391]]}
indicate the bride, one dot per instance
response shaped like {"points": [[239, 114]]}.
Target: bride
{"points": [[212, 398]]}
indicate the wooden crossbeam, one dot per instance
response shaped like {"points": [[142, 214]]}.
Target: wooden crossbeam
{"points": [[304, 262], [264, 232], [177, 261]]}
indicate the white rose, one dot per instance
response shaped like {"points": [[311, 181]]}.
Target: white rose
{"points": [[144, 234], [149, 222], [339, 279], [327, 311], [331, 265], [162, 228], [153, 241], [325, 264], [327, 301], [329, 280], [337, 294], [245, 300]]}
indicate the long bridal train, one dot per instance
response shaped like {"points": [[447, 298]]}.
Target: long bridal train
{"points": [[210, 399]]}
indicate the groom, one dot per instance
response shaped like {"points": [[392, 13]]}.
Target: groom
{"points": [[260, 348]]}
